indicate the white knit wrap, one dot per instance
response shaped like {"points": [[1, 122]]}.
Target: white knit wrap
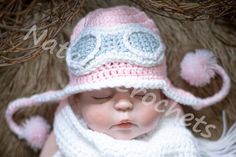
{"points": [[74, 139]]}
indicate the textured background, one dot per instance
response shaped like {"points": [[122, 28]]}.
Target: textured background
{"points": [[49, 72]]}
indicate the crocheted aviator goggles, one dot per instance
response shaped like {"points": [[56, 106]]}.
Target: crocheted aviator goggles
{"points": [[130, 43], [121, 46]]}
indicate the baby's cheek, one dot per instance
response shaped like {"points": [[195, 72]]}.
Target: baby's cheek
{"points": [[96, 119], [149, 117]]}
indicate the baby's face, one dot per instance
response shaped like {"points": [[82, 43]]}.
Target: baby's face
{"points": [[121, 115]]}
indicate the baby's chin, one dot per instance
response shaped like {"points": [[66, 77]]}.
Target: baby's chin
{"points": [[125, 136]]}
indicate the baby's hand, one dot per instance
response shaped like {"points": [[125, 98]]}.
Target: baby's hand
{"points": [[50, 147]]}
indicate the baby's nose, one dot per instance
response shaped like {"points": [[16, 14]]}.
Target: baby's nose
{"points": [[123, 105]]}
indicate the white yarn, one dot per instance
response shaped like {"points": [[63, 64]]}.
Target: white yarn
{"points": [[225, 146], [128, 83], [74, 139], [171, 138]]}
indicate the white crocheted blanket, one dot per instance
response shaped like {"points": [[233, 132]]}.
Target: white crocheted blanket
{"points": [[74, 139]]}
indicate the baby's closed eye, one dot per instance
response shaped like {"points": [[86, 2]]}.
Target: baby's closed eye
{"points": [[102, 96]]}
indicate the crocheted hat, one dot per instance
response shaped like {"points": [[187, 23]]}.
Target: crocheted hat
{"points": [[114, 47]]}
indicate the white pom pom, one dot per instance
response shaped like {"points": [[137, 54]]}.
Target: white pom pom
{"points": [[35, 131], [196, 68]]}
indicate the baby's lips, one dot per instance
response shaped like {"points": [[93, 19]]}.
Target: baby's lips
{"points": [[126, 123]]}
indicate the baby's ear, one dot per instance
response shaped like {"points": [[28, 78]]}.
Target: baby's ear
{"points": [[74, 103]]}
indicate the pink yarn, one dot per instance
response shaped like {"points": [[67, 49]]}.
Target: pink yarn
{"points": [[196, 68], [35, 131], [119, 69], [114, 16]]}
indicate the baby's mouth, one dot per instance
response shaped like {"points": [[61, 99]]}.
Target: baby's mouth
{"points": [[124, 124]]}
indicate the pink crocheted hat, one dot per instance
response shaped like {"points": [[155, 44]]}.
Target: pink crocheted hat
{"points": [[114, 47]]}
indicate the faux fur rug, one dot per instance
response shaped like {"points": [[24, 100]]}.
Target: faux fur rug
{"points": [[49, 72]]}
